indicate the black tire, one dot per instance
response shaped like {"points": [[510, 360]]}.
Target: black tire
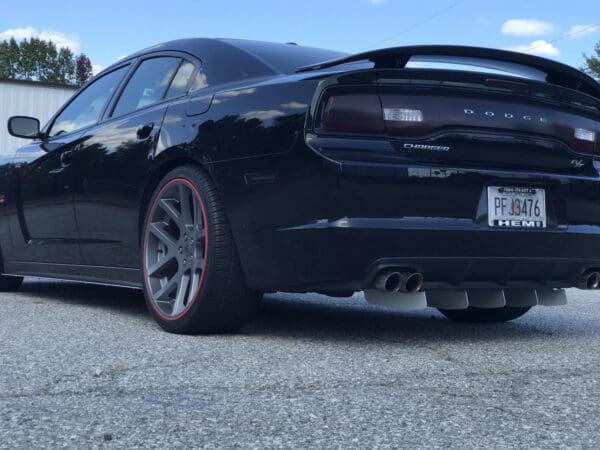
{"points": [[221, 302], [10, 283], [481, 315]]}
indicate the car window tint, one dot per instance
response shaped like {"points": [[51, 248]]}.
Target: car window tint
{"points": [[86, 108], [199, 81], [147, 85], [181, 80]]}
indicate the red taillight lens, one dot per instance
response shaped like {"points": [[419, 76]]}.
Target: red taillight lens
{"points": [[353, 113], [365, 114]]}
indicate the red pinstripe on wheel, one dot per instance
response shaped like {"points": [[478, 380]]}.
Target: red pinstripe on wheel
{"points": [[153, 206]]}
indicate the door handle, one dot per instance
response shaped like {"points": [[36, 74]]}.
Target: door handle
{"points": [[144, 131], [65, 158]]}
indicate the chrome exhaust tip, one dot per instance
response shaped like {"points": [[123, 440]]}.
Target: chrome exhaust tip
{"points": [[412, 282], [396, 281], [589, 280], [389, 281]]}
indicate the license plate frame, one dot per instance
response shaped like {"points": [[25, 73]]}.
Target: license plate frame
{"points": [[517, 207]]}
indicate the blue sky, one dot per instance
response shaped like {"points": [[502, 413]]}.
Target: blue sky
{"points": [[107, 30]]}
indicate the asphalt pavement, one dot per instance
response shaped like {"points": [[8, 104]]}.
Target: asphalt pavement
{"points": [[84, 366]]}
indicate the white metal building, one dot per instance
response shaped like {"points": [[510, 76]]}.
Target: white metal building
{"points": [[27, 98]]}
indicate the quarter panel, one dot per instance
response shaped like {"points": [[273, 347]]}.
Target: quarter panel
{"points": [[245, 121], [251, 142]]}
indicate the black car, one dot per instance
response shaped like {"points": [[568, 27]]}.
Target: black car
{"points": [[210, 171]]}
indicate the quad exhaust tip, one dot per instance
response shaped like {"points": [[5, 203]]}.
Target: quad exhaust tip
{"points": [[396, 281], [391, 281]]}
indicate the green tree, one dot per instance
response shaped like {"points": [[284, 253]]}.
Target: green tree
{"points": [[66, 66], [38, 60], [84, 69], [592, 62], [28, 59], [47, 59], [5, 65], [9, 58]]}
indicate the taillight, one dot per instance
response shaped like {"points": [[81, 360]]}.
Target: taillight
{"points": [[365, 114], [418, 116], [353, 113], [586, 140], [582, 140], [585, 135], [404, 116]]}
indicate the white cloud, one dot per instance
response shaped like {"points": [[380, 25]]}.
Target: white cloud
{"points": [[376, 2], [60, 39], [579, 31], [527, 27], [97, 68], [540, 47]]}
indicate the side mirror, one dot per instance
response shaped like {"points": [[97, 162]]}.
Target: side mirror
{"points": [[24, 127]]}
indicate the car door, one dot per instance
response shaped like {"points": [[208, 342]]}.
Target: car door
{"points": [[112, 163], [45, 228]]}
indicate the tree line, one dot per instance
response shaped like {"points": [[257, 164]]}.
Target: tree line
{"points": [[592, 63], [40, 60]]}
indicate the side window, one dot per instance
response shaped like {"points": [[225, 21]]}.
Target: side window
{"points": [[181, 80], [86, 108], [148, 84]]}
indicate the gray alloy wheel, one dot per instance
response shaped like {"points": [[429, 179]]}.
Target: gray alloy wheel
{"points": [[193, 279], [175, 248]]}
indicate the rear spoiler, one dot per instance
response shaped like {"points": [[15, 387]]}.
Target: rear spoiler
{"points": [[517, 63]]}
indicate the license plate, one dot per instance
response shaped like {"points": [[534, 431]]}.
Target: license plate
{"points": [[516, 207]]}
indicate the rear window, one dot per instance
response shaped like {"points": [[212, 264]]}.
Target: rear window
{"points": [[286, 58]]}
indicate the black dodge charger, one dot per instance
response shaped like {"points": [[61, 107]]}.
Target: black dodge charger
{"points": [[210, 171]]}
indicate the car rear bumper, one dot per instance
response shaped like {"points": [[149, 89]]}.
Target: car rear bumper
{"points": [[333, 225], [347, 254]]}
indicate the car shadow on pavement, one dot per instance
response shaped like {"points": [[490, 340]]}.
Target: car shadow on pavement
{"points": [[128, 301], [313, 316]]}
